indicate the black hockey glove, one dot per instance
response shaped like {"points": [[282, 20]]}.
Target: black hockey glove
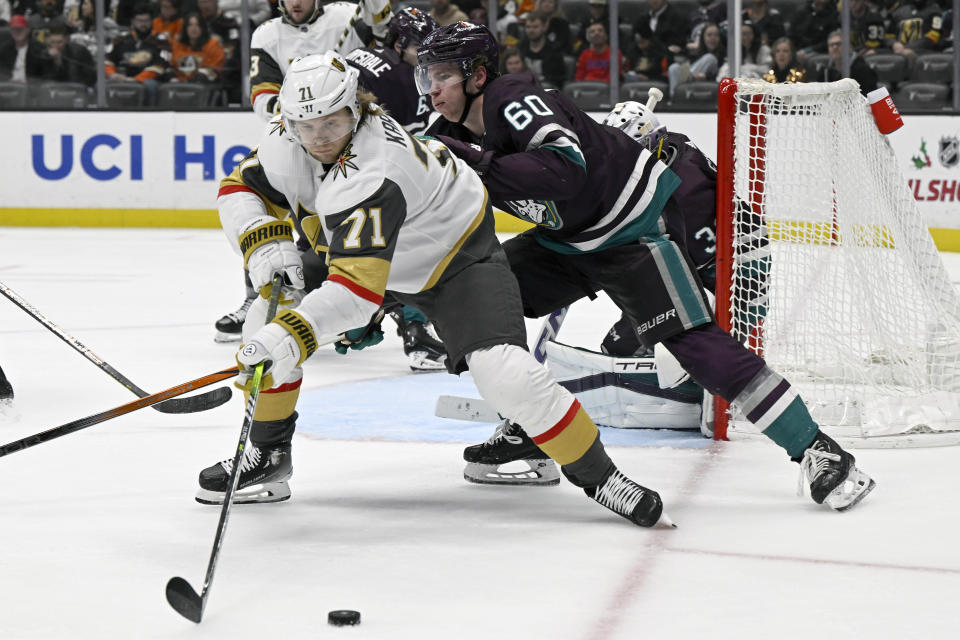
{"points": [[478, 159]]}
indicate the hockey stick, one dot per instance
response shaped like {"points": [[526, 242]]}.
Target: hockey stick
{"points": [[201, 402], [103, 416], [548, 331], [181, 596]]}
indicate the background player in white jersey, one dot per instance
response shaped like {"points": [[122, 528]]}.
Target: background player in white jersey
{"points": [[305, 27], [405, 217], [606, 220]]}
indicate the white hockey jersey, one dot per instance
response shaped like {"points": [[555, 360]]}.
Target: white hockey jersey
{"points": [[276, 42]]}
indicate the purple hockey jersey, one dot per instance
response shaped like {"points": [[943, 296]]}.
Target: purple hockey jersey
{"points": [[586, 186], [384, 74]]}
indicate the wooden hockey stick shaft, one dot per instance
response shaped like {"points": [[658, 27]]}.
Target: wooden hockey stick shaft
{"points": [[109, 414], [200, 402]]}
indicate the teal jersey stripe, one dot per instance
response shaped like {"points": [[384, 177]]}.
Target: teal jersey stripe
{"points": [[569, 151], [645, 225]]}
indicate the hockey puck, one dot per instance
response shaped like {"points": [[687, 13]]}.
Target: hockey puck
{"points": [[343, 618]]}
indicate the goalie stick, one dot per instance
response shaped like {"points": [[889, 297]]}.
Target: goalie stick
{"points": [[103, 416], [478, 410], [202, 402]]}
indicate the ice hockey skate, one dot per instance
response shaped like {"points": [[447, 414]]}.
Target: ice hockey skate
{"points": [[230, 327], [626, 498], [263, 477], [424, 351], [832, 474], [487, 463]]}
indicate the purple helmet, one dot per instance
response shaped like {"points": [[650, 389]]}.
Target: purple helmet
{"points": [[471, 45], [410, 26]]}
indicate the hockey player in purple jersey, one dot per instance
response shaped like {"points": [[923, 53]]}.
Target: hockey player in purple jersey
{"points": [[606, 220], [387, 72]]}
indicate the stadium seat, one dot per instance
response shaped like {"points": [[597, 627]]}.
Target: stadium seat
{"points": [[696, 96], [922, 97], [933, 67], [589, 96], [815, 65], [13, 95], [570, 67], [630, 10], [178, 95], [125, 94], [890, 67], [639, 90], [59, 95]]}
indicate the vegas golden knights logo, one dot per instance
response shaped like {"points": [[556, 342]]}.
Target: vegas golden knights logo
{"points": [[336, 64]]}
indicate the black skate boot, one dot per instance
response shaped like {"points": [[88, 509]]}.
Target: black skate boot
{"points": [[509, 444], [230, 326], [832, 475], [6, 389], [263, 476], [625, 497], [424, 352]]}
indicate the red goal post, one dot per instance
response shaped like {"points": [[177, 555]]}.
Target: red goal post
{"points": [[827, 270]]}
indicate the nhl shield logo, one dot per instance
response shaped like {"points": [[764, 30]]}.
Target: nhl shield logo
{"points": [[949, 151]]}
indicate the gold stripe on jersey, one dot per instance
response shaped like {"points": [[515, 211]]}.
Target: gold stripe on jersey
{"points": [[262, 234], [365, 272], [297, 326], [568, 440], [312, 229], [380, 17], [250, 174], [264, 87], [445, 262]]}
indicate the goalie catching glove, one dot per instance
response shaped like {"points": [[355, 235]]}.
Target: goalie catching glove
{"points": [[282, 345], [267, 246]]}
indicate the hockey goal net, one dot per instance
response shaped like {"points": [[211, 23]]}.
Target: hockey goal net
{"points": [[826, 269]]}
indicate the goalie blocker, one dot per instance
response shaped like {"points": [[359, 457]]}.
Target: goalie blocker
{"points": [[646, 392]]}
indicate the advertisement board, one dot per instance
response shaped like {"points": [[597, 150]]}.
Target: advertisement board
{"points": [[163, 168]]}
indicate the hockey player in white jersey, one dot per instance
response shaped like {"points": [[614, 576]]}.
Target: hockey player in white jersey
{"points": [[405, 218], [305, 27]]}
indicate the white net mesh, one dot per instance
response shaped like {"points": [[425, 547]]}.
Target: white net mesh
{"points": [[837, 281]]}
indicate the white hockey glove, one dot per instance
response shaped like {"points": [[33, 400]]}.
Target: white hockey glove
{"points": [[282, 345], [376, 13], [268, 247]]}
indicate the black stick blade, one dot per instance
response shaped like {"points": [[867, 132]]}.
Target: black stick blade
{"points": [[184, 599], [193, 404]]}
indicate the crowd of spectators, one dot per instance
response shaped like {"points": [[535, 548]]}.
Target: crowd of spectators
{"points": [[672, 42]]}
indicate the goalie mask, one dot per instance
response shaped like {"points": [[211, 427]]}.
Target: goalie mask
{"points": [[319, 86], [638, 122], [311, 16]]}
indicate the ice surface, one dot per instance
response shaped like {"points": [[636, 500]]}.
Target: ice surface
{"points": [[93, 525]]}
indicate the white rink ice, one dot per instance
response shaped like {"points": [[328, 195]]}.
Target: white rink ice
{"points": [[92, 525]]}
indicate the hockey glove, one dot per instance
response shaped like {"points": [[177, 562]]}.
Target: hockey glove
{"points": [[377, 14], [282, 345], [360, 338], [268, 248], [478, 159]]}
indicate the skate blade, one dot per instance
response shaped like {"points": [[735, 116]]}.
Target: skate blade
{"points": [[420, 361], [540, 472], [221, 337], [254, 494], [851, 491]]}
